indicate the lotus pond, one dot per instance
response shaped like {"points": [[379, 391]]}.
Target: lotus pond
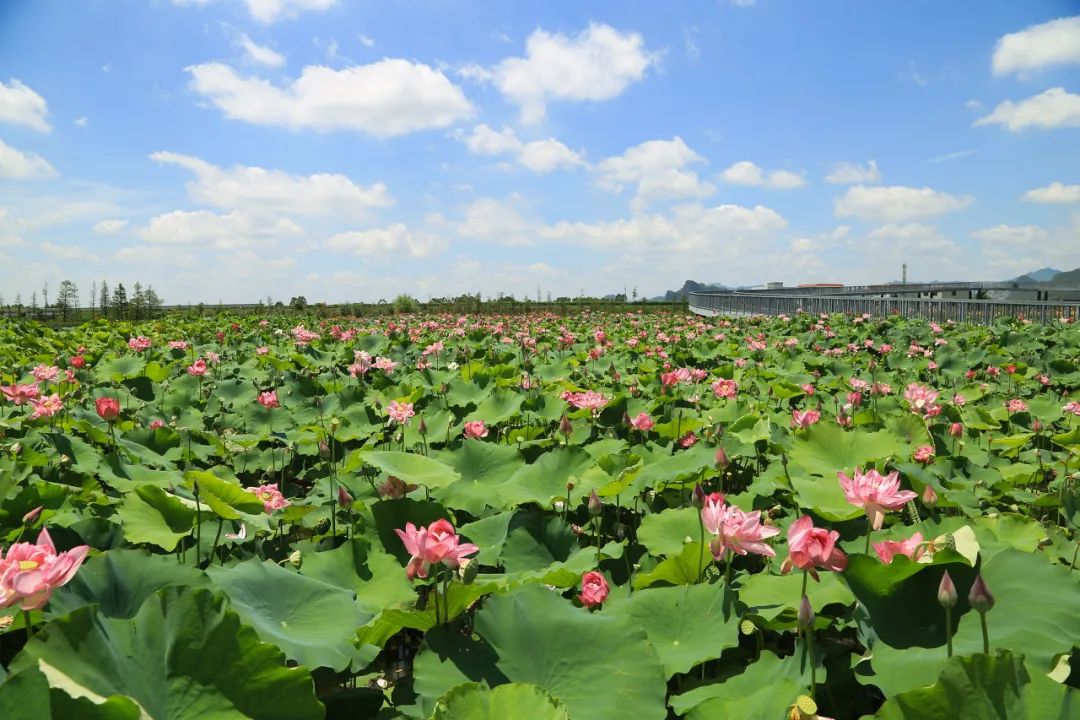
{"points": [[621, 515]]}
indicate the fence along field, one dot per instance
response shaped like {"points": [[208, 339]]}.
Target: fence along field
{"points": [[583, 515]]}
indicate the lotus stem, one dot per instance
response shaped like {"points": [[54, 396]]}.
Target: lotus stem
{"points": [[28, 625], [701, 555], [869, 529], [948, 630], [985, 634]]}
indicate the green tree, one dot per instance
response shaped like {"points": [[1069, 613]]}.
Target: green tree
{"points": [[298, 303], [120, 301], [67, 299], [103, 299], [152, 301], [137, 300]]}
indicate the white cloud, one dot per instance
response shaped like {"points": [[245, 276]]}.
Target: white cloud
{"points": [[269, 11], [67, 252], [540, 156], [1054, 108], [658, 169], [912, 238], [366, 41], [82, 121], [846, 173], [1011, 235], [109, 227], [1052, 43], [974, 105], [384, 241], [259, 54], [23, 165], [236, 230], [20, 105], [949, 156], [9, 236], [387, 98], [1014, 249], [599, 63], [747, 173], [897, 203], [1055, 192], [495, 221], [256, 189]]}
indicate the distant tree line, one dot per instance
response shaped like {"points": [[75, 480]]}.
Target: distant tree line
{"points": [[102, 302]]}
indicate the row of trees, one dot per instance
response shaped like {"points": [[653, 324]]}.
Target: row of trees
{"points": [[142, 304]]}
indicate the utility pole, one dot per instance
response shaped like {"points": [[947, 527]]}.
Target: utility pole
{"points": [[903, 280]]}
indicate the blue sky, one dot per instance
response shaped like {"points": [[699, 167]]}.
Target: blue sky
{"points": [[237, 149]]}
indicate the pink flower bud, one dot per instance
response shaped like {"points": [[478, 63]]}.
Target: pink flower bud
{"points": [[565, 427], [929, 497], [30, 517], [594, 589], [595, 506], [699, 496], [806, 613], [721, 458], [956, 430], [343, 496], [980, 596], [946, 594]]}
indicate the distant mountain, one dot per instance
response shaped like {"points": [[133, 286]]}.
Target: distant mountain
{"points": [[1070, 279], [688, 287], [1040, 275]]}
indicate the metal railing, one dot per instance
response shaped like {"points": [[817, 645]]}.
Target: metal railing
{"points": [[982, 312]]}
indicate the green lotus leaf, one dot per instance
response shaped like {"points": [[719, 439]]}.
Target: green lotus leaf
{"points": [[412, 468], [150, 515], [513, 701]]}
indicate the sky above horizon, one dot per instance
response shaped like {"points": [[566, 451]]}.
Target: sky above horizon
{"points": [[233, 150]]}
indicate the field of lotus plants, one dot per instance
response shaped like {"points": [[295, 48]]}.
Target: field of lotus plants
{"points": [[541, 517]]}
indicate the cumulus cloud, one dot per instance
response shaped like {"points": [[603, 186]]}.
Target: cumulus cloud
{"points": [[269, 11], [1055, 108], [20, 105], [897, 203], [395, 238], [109, 227], [847, 173], [232, 231], [540, 156], [387, 98], [658, 170], [1055, 192], [598, 63], [1051, 43], [747, 173], [259, 54], [257, 189], [912, 238], [23, 165], [67, 252]]}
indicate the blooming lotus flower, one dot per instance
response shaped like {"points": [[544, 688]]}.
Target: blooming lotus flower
{"points": [[197, 368], [875, 493], [47, 406], [642, 422], [588, 400], [21, 394], [77, 361], [803, 420], [912, 548], [724, 388], [45, 373], [108, 409], [688, 440], [712, 512], [810, 548], [1016, 405], [30, 572], [475, 430], [269, 399], [138, 344], [924, 455], [1070, 407], [594, 589], [445, 546], [922, 400], [400, 412], [271, 497], [741, 533], [415, 541]]}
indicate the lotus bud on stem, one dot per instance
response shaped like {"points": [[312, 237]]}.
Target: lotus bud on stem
{"points": [[947, 598], [981, 599]]}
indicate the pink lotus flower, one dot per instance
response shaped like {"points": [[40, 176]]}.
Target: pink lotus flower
{"points": [[262, 350], [431, 545], [724, 388], [138, 344], [741, 533], [875, 493], [108, 409], [803, 420], [269, 399], [642, 423], [810, 548], [1072, 407], [157, 423], [400, 412], [45, 373], [21, 394], [213, 357], [922, 400], [475, 430], [688, 440], [924, 455], [47, 406], [271, 497], [588, 400], [912, 548], [178, 345], [385, 364], [197, 368], [30, 572], [712, 512], [956, 430], [1016, 405], [594, 589]]}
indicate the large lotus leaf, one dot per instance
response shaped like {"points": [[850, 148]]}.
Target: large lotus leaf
{"points": [[392, 620], [681, 569], [183, 656], [498, 407], [513, 701], [1034, 615], [763, 691], [313, 622], [412, 468], [150, 515], [534, 541], [483, 467], [901, 597], [117, 369], [227, 499], [686, 625], [85, 458], [666, 532], [461, 393], [119, 581], [377, 578], [769, 595], [597, 665], [983, 686], [489, 534], [674, 469], [545, 479], [27, 696]]}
